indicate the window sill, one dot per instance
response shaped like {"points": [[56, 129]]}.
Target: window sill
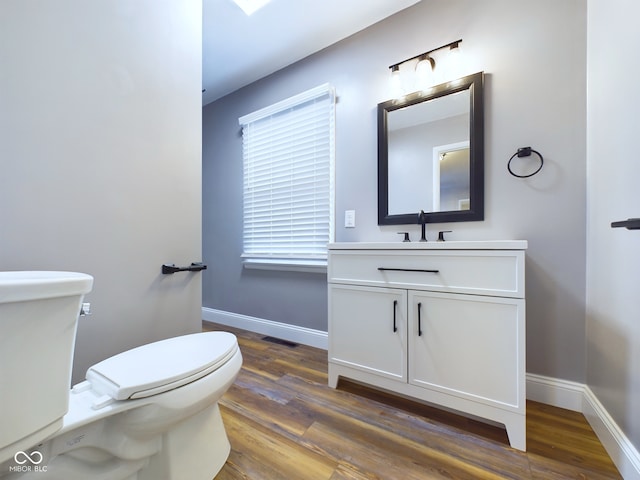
{"points": [[307, 266]]}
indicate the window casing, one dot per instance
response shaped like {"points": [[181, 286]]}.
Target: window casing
{"points": [[288, 193]]}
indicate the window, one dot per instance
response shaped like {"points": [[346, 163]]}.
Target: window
{"points": [[288, 156]]}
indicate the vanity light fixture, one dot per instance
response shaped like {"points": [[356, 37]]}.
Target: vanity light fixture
{"points": [[425, 67], [395, 82], [424, 71]]}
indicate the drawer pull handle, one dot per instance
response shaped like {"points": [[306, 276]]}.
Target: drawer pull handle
{"points": [[395, 306], [384, 269], [419, 319]]}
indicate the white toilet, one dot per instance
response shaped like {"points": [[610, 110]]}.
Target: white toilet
{"points": [[148, 413]]}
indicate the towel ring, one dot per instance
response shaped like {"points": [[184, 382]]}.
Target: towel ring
{"points": [[525, 152]]}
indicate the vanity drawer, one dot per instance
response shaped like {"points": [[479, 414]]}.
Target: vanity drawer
{"points": [[490, 272]]}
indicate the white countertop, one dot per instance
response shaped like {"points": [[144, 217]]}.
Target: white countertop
{"points": [[447, 245]]}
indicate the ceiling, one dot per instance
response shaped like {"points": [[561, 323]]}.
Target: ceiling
{"points": [[240, 49]]}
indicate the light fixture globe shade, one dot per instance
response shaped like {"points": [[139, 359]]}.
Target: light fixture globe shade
{"points": [[424, 73], [395, 83], [452, 62]]}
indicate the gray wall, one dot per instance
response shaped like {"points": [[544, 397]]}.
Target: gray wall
{"points": [[534, 56], [289, 297], [100, 156], [613, 260]]}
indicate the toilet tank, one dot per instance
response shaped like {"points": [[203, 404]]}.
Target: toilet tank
{"points": [[38, 319]]}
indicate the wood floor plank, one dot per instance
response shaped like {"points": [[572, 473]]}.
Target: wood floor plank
{"points": [[398, 433], [566, 437], [411, 423], [392, 456], [547, 469], [440, 417], [267, 455], [282, 418], [285, 422], [346, 471]]}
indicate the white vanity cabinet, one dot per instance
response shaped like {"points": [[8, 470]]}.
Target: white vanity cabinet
{"points": [[442, 322]]}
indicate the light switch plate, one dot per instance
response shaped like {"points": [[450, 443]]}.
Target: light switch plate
{"points": [[350, 218]]}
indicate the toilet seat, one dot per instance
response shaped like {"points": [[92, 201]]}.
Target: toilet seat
{"points": [[161, 366]]}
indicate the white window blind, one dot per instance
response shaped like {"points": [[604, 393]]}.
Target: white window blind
{"points": [[288, 155]]}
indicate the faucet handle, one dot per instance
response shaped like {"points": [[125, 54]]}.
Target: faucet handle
{"points": [[406, 236], [441, 235]]}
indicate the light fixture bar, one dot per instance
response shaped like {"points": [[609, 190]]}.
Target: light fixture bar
{"points": [[425, 54]]}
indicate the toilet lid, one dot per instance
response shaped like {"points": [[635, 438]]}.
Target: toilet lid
{"points": [[161, 366]]}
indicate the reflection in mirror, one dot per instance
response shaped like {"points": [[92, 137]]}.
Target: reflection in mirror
{"points": [[413, 133], [451, 177], [430, 154]]}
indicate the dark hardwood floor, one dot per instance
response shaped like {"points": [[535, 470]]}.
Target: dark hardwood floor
{"points": [[284, 422]]}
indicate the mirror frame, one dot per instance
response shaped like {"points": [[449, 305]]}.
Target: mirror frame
{"points": [[475, 84]]}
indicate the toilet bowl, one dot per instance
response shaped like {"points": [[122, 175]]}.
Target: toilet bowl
{"points": [[147, 413]]}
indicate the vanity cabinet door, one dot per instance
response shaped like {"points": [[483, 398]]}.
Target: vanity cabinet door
{"points": [[367, 329], [468, 346]]}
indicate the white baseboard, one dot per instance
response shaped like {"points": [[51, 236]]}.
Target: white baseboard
{"points": [[293, 333], [615, 442], [552, 391], [556, 392], [579, 398]]}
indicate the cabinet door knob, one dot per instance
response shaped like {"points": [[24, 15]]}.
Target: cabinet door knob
{"points": [[419, 319]]}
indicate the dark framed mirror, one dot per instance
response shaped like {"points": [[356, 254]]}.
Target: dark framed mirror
{"points": [[431, 154]]}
